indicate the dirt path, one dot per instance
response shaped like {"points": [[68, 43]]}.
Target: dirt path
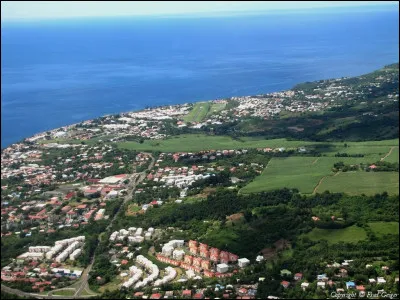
{"points": [[317, 186], [337, 173], [390, 151], [315, 161]]}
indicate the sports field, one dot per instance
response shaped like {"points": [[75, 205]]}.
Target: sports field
{"points": [[351, 234]]}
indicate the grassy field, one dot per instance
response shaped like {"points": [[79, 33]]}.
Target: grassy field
{"points": [[313, 174], [393, 156], [199, 112], [351, 234], [198, 142], [113, 285], [302, 173], [65, 292], [355, 183], [382, 228], [215, 107]]}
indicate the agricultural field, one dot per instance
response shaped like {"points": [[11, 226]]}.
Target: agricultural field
{"points": [[352, 234], [302, 173], [314, 174], [393, 156], [356, 183], [382, 228], [199, 112]]}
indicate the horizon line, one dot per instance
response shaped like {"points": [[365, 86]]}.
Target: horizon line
{"points": [[205, 14]]}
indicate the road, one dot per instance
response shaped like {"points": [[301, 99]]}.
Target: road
{"points": [[134, 180]]}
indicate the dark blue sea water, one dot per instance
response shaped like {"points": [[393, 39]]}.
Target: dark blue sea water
{"points": [[58, 73]]}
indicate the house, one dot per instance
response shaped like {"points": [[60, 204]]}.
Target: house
{"points": [[304, 285], [285, 284], [381, 280], [322, 277], [198, 296], [360, 288], [156, 296], [350, 285], [187, 293], [298, 276], [222, 268], [243, 262]]}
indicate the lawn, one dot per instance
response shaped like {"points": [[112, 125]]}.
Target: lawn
{"points": [[351, 234], [199, 112], [382, 228], [113, 285], [361, 182], [65, 292]]}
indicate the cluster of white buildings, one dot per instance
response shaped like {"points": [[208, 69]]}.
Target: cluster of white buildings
{"points": [[72, 248], [132, 235], [170, 249], [170, 274], [136, 273], [151, 268]]}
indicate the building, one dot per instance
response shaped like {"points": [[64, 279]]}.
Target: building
{"points": [[222, 268], [243, 262]]}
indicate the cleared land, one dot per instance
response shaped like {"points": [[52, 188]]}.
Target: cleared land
{"points": [[302, 173], [199, 112], [198, 142], [311, 174], [351, 234], [393, 156], [215, 107], [355, 183], [382, 228]]}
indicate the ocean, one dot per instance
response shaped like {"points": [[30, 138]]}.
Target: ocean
{"points": [[55, 73]]}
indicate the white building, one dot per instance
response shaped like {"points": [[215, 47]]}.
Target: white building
{"points": [[222, 268], [243, 262]]}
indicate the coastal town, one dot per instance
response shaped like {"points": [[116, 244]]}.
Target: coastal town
{"points": [[81, 211]]}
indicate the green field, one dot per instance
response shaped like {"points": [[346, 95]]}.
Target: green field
{"points": [[198, 142], [312, 174], [302, 173], [215, 107], [199, 112], [382, 228], [394, 155], [351, 234], [368, 183], [65, 292]]}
